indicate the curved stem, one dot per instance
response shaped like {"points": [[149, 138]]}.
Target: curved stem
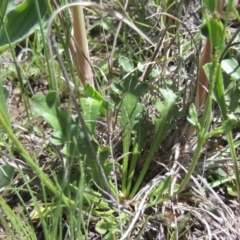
{"points": [[192, 165]]}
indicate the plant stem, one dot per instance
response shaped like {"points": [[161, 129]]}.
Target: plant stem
{"points": [[206, 119], [34, 166], [193, 164], [235, 162], [83, 67]]}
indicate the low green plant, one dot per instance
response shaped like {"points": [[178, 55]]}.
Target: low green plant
{"points": [[131, 117], [83, 186], [19, 21], [213, 71], [69, 132]]}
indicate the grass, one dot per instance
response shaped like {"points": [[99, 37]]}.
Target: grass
{"points": [[129, 155]]}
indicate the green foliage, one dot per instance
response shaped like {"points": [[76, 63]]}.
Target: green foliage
{"points": [[128, 102], [91, 113], [5, 122], [74, 189], [3, 8], [211, 5], [162, 125], [48, 108], [226, 127], [216, 33], [221, 177], [133, 124], [109, 227], [139, 143], [90, 92], [20, 21], [93, 106], [219, 95], [231, 67], [21, 228], [3, 108], [231, 77], [193, 117], [71, 134], [126, 64], [6, 174], [162, 192]]}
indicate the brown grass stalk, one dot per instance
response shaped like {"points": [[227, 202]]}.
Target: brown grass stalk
{"points": [[81, 58]]}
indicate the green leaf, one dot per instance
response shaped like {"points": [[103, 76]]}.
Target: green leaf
{"points": [[222, 180], [227, 126], [77, 144], [102, 227], [117, 88], [140, 134], [48, 108], [207, 69], [3, 8], [218, 87], [91, 113], [211, 5], [3, 107], [58, 138], [93, 93], [233, 99], [231, 67], [221, 172], [130, 108], [216, 34], [108, 224], [115, 98], [193, 117], [162, 126], [126, 64], [204, 30], [103, 154], [219, 92], [21, 22], [6, 174], [161, 192], [78, 148], [232, 190]]}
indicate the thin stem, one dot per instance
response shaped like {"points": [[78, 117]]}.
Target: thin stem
{"points": [[235, 162], [81, 120], [193, 164], [34, 166]]}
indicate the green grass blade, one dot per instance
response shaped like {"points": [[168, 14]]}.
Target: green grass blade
{"points": [[219, 95], [3, 107], [130, 108], [138, 145], [20, 22], [162, 125], [3, 8], [19, 227], [29, 160]]}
